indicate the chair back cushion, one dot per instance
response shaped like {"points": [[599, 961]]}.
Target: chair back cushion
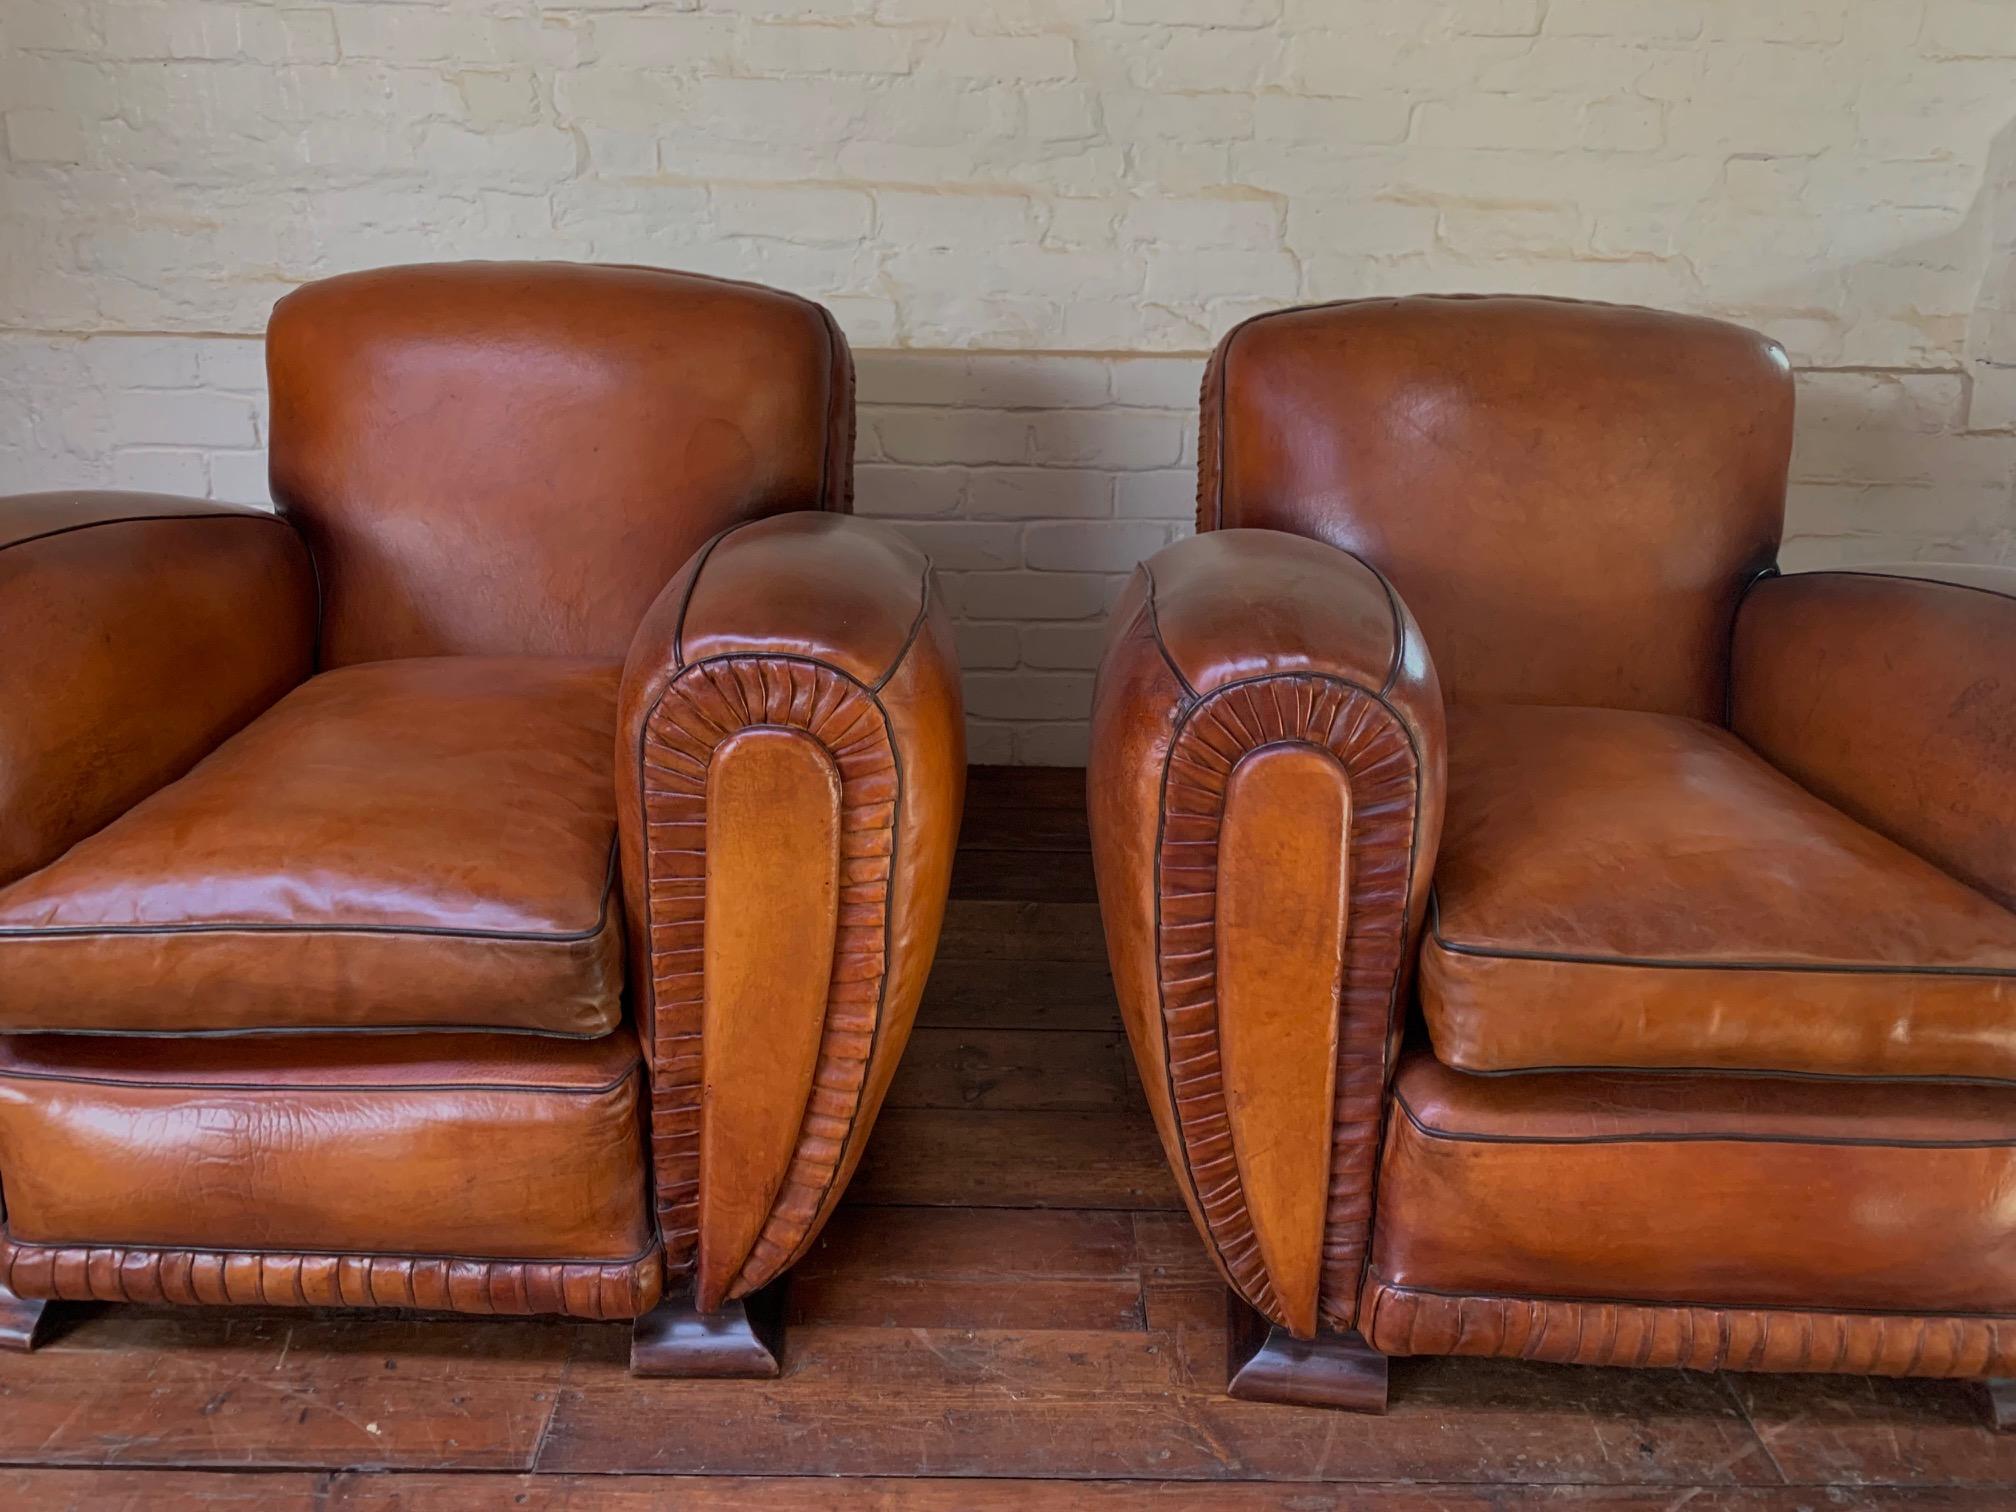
{"points": [[512, 459], [1570, 497]]}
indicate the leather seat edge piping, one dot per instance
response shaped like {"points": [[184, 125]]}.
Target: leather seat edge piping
{"points": [[1654, 963], [1374, 1278], [1429, 1131], [248, 513], [295, 1089]]}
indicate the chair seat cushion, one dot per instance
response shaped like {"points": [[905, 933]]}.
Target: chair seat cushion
{"points": [[327, 1169], [404, 844], [1712, 1190], [1637, 890]]}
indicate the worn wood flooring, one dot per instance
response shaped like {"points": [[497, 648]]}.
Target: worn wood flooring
{"points": [[1013, 1298]]}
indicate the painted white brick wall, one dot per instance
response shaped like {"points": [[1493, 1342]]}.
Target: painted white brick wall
{"points": [[1033, 217]]}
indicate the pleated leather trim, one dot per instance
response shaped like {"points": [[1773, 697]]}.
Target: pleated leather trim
{"points": [[705, 704], [1370, 742], [1400, 1321], [599, 1289]]}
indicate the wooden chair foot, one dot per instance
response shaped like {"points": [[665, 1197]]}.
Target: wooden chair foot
{"points": [[1269, 1364], [2002, 1402], [20, 1320], [742, 1341]]}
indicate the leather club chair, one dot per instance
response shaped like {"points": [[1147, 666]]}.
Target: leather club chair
{"points": [[501, 882], [1545, 931]]}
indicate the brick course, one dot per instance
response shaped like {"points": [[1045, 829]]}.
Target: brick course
{"points": [[1032, 218]]}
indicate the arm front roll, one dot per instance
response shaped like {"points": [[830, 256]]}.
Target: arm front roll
{"points": [[790, 771], [1266, 793]]}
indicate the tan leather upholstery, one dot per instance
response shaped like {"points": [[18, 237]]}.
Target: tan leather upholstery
{"points": [[1569, 497], [1733, 1191], [1623, 889], [1225, 646], [123, 618], [1721, 912], [509, 459], [1885, 696], [425, 843], [372, 929], [474, 1146], [830, 628]]}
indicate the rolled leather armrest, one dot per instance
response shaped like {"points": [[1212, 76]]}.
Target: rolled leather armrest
{"points": [[1266, 785], [1894, 698], [138, 632], [790, 770]]}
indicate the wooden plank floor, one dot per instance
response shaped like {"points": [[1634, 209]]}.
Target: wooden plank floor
{"points": [[1012, 1297]]}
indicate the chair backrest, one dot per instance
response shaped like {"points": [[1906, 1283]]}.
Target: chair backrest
{"points": [[1570, 497], [513, 458]]}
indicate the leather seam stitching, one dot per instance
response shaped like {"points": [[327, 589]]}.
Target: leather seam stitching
{"points": [[299, 1089], [419, 931], [1161, 645], [1753, 1073], [1428, 1131], [1374, 1278], [256, 517], [705, 554], [1654, 963], [874, 689], [317, 1253]]}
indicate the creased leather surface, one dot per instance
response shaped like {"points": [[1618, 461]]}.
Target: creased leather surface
{"points": [[597, 1290], [1397, 1321]]}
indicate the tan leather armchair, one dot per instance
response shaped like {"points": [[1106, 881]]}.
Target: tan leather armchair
{"points": [[500, 882], [1544, 930]]}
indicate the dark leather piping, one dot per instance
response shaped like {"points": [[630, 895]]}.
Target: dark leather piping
{"points": [[1729, 654], [318, 1252], [1428, 1131], [294, 1030], [686, 599], [1898, 577], [1777, 1307], [238, 513], [916, 627], [1751, 1073], [874, 698], [1396, 620], [1400, 965], [298, 1088], [1155, 632], [1395, 612], [1651, 963], [228, 926]]}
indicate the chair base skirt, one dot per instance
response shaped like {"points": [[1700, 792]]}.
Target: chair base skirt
{"points": [[590, 1289], [1269, 1364], [20, 1321], [741, 1340]]}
